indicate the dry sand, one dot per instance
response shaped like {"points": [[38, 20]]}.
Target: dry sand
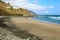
{"points": [[47, 31]]}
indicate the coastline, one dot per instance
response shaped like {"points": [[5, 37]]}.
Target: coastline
{"points": [[27, 20], [44, 21], [46, 31]]}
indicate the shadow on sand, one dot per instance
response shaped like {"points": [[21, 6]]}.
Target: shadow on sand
{"points": [[17, 32]]}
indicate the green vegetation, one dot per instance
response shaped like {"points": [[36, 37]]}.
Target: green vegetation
{"points": [[8, 10]]}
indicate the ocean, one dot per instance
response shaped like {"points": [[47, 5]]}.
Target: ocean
{"points": [[48, 18]]}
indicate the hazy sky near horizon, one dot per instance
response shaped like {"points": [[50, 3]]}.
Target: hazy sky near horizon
{"points": [[42, 7]]}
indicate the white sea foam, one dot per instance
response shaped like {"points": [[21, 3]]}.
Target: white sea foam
{"points": [[56, 18]]}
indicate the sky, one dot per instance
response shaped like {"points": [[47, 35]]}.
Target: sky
{"points": [[40, 7]]}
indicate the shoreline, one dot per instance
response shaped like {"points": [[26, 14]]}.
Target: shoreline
{"points": [[38, 28], [44, 21], [45, 31]]}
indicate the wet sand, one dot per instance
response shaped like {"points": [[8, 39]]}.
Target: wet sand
{"points": [[46, 31]]}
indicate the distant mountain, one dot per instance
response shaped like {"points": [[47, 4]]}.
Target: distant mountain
{"points": [[7, 9], [33, 12]]}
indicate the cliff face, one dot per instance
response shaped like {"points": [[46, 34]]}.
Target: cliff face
{"points": [[6, 9]]}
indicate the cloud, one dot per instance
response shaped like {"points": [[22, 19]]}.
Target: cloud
{"points": [[36, 1], [28, 5], [16, 0], [46, 11], [51, 6]]}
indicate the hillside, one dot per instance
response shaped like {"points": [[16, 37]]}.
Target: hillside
{"points": [[7, 9]]}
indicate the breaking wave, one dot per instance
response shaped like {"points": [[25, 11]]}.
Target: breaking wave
{"points": [[56, 18]]}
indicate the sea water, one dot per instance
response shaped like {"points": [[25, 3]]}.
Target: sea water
{"points": [[48, 18]]}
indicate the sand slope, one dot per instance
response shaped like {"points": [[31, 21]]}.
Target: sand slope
{"points": [[46, 31]]}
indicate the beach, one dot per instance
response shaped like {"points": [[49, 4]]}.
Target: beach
{"points": [[46, 31]]}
